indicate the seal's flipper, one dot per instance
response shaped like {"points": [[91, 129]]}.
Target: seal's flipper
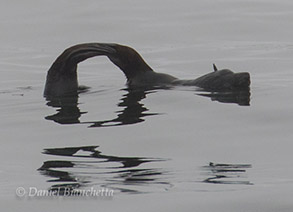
{"points": [[62, 76]]}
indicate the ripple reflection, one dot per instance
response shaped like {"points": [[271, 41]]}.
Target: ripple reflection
{"points": [[87, 166]]}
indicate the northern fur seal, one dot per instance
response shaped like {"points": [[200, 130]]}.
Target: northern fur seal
{"points": [[62, 76]]}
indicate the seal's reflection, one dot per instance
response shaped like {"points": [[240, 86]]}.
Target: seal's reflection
{"points": [[68, 111], [134, 111], [219, 173], [240, 97], [87, 166]]}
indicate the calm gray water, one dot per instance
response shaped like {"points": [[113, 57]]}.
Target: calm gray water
{"points": [[172, 150]]}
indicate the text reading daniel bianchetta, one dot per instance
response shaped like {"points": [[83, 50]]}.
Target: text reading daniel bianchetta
{"points": [[65, 192]]}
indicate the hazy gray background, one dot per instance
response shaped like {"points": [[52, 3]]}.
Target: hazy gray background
{"points": [[182, 38]]}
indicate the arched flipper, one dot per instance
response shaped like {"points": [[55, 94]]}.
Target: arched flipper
{"points": [[62, 76]]}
